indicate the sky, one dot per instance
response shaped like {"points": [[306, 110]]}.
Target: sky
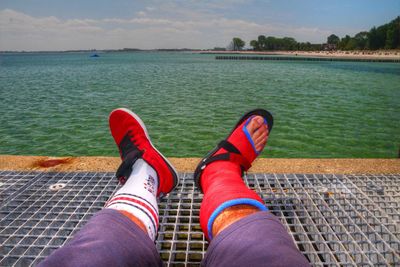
{"points": [[44, 25]]}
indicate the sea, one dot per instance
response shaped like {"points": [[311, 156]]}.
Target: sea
{"points": [[57, 104]]}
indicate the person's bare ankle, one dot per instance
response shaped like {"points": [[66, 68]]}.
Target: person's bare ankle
{"points": [[230, 215]]}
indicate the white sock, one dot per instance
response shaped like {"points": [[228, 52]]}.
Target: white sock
{"points": [[138, 196]]}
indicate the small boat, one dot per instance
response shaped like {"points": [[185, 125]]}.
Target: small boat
{"points": [[94, 55]]}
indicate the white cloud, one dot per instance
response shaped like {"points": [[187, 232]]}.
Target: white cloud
{"points": [[141, 13], [148, 29]]}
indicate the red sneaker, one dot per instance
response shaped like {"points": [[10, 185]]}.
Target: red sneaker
{"points": [[133, 141]]}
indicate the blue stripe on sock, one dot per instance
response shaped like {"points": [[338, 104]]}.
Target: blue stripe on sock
{"points": [[230, 203]]}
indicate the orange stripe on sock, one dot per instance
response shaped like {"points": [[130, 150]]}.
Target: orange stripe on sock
{"points": [[133, 219]]}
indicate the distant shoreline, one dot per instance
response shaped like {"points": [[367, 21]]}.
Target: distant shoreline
{"points": [[326, 54], [366, 54], [93, 51]]}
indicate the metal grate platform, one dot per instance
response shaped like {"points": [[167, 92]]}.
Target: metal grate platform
{"points": [[333, 219]]}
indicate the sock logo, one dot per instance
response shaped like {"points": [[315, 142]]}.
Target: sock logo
{"points": [[149, 184]]}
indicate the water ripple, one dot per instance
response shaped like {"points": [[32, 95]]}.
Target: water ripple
{"points": [[58, 104]]}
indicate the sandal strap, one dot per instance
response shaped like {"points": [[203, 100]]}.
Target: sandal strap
{"points": [[218, 157], [228, 146], [125, 169], [233, 155]]}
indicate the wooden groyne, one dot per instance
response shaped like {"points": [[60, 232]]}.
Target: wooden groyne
{"points": [[300, 58]]}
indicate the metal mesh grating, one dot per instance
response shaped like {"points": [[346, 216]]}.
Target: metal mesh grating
{"points": [[334, 219], [36, 220]]}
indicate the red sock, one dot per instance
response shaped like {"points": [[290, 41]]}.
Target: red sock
{"points": [[223, 187]]}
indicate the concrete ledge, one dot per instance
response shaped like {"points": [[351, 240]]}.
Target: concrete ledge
{"points": [[262, 165]]}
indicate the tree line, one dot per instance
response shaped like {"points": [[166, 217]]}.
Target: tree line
{"points": [[386, 36], [286, 43]]}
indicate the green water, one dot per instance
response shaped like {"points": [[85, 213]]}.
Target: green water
{"points": [[58, 104]]}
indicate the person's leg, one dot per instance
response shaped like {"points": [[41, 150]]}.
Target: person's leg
{"points": [[123, 233], [109, 238], [258, 239], [234, 218]]}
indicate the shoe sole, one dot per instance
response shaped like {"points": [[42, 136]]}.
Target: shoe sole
{"points": [[141, 123]]}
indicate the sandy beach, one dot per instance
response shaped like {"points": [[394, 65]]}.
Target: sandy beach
{"points": [[380, 54], [262, 165]]}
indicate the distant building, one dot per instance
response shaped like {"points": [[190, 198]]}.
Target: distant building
{"points": [[329, 47]]}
